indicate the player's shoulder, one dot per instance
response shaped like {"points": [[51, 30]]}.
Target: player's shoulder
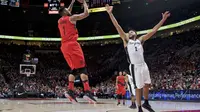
{"points": [[126, 76], [63, 18], [59, 20]]}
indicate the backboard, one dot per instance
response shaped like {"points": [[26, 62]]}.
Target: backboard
{"points": [[27, 69]]}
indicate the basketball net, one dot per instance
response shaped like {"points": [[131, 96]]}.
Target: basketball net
{"points": [[28, 74]]}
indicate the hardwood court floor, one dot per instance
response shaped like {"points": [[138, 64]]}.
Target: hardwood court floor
{"points": [[63, 105]]}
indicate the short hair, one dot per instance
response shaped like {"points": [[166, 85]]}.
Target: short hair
{"points": [[131, 29], [61, 11], [126, 71]]}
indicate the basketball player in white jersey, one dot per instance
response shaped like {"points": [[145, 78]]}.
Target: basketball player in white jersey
{"points": [[129, 82], [138, 67]]}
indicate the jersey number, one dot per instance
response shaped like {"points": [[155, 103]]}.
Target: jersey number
{"points": [[136, 49], [64, 30]]}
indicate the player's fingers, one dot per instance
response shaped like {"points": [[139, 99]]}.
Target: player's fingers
{"points": [[167, 12]]}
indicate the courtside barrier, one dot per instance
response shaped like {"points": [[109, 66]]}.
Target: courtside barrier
{"points": [[173, 95]]}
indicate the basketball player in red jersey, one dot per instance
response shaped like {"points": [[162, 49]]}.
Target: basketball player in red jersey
{"points": [[120, 88], [72, 51]]}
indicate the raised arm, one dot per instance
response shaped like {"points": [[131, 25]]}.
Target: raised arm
{"points": [[81, 16], [71, 6], [155, 29], [116, 24]]}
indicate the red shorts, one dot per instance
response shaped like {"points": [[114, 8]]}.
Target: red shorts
{"points": [[121, 90], [73, 54]]}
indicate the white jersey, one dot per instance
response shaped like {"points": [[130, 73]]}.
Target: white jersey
{"points": [[135, 52], [138, 68]]}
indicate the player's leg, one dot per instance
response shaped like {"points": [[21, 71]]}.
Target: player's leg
{"points": [[132, 91], [146, 93], [118, 92], [85, 81], [118, 99], [70, 94], [84, 77], [67, 55], [123, 95], [146, 104], [71, 80], [138, 84], [147, 81], [139, 99], [133, 104], [80, 65]]}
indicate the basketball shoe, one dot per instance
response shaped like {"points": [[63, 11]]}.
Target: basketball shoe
{"points": [[70, 95], [133, 106], [148, 107], [89, 97]]}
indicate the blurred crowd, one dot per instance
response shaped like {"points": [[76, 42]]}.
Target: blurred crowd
{"points": [[174, 64]]}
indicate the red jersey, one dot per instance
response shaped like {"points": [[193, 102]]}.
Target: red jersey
{"points": [[68, 30], [121, 80]]}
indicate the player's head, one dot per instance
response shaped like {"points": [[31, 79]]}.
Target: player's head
{"points": [[124, 73], [120, 73], [64, 12], [132, 34]]}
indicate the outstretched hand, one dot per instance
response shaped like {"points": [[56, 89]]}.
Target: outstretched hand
{"points": [[109, 8], [73, 1], [166, 15]]}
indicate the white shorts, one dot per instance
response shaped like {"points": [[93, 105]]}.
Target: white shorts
{"points": [[140, 74], [131, 85]]}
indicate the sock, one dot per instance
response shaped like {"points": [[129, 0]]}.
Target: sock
{"points": [[146, 102], [139, 107], [71, 85], [86, 85]]}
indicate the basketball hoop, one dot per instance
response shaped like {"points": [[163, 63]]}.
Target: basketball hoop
{"points": [[27, 69]]}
